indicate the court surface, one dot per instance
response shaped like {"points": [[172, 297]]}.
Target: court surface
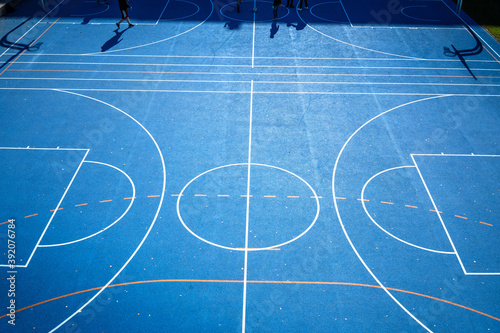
{"points": [[335, 170]]}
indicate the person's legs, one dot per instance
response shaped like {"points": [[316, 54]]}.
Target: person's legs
{"points": [[124, 17], [275, 12]]}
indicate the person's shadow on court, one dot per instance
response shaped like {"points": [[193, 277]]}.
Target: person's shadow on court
{"points": [[274, 29], [113, 41], [299, 26]]}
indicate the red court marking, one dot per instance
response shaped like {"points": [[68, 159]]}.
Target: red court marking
{"points": [[461, 217], [154, 196], [340, 198], [83, 204], [53, 210], [436, 211], [30, 215], [388, 203], [33, 42], [363, 200], [259, 282], [9, 222], [130, 198], [105, 201], [409, 206], [486, 223]]}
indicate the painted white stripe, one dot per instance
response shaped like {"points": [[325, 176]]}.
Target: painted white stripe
{"points": [[247, 223]]}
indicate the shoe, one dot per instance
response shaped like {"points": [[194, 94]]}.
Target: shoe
{"points": [[306, 8], [130, 25], [299, 8], [118, 25]]}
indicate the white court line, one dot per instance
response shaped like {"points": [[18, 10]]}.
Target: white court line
{"points": [[457, 155], [379, 226], [348, 18], [42, 149], [159, 18], [339, 215], [439, 215], [245, 269], [263, 82], [158, 41], [245, 57], [109, 226], [57, 207], [253, 36], [435, 207], [164, 173], [15, 43], [478, 36], [255, 92], [250, 66]]}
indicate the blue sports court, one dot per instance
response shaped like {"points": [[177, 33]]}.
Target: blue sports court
{"points": [[209, 170]]}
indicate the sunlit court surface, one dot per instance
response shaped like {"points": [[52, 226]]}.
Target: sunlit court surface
{"points": [[210, 169]]}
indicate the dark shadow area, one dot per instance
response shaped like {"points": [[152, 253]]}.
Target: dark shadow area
{"points": [[357, 12], [461, 54], [19, 47], [113, 41], [274, 29], [232, 25]]}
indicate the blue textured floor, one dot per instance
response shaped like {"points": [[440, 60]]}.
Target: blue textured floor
{"points": [[207, 170]]}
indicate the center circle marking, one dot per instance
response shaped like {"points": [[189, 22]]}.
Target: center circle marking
{"points": [[234, 248]]}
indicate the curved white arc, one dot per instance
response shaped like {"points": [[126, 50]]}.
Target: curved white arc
{"points": [[109, 226], [416, 18], [154, 219], [322, 18], [91, 14], [248, 249], [184, 17], [156, 42], [379, 226], [340, 218], [357, 46]]}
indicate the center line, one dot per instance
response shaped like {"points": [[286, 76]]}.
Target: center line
{"points": [[245, 268], [253, 38]]}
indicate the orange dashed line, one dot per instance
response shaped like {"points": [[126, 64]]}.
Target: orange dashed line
{"points": [[363, 200], [293, 196], [105, 201], [129, 198], [200, 195], [53, 210], [486, 223], [83, 204], [410, 206], [436, 211], [177, 195], [154, 196], [269, 196], [316, 197], [246, 196], [340, 198], [461, 217], [223, 195], [4, 222], [387, 202], [30, 216]]}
